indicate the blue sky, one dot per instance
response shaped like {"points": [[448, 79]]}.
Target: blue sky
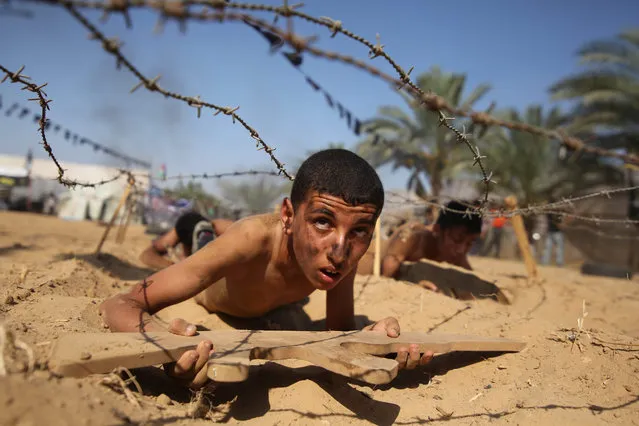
{"points": [[519, 47]]}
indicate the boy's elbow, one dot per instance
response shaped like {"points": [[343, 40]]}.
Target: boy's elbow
{"points": [[390, 266], [116, 309]]}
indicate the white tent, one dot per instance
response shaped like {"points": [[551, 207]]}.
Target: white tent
{"points": [[79, 203], [92, 203]]}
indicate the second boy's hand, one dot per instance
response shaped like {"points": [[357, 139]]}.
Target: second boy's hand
{"points": [[408, 357]]}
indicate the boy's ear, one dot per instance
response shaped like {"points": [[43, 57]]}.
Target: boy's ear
{"points": [[286, 215], [436, 229]]}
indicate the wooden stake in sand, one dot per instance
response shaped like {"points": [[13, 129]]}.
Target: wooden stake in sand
{"points": [[125, 196], [351, 354], [522, 238], [377, 265], [127, 220]]}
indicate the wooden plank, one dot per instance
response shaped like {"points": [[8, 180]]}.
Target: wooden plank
{"points": [[351, 354], [453, 281]]}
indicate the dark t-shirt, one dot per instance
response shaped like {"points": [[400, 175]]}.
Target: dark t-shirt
{"points": [[553, 222]]}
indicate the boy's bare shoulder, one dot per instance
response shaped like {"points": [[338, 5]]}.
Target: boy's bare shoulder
{"points": [[258, 230], [407, 230]]}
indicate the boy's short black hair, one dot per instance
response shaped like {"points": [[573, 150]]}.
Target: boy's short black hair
{"points": [[449, 219], [185, 225], [340, 173]]}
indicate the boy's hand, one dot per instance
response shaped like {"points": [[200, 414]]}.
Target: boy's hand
{"points": [[408, 358], [191, 367], [428, 285]]}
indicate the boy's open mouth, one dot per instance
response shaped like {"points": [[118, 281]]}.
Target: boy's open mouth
{"points": [[330, 273]]}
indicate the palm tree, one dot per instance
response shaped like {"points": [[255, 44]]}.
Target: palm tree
{"points": [[606, 92], [416, 141], [254, 196], [529, 167]]}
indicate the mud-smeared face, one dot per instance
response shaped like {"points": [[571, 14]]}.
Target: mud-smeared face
{"points": [[330, 236], [454, 243]]}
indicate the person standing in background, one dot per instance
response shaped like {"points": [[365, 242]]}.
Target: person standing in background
{"points": [[496, 235], [554, 237]]}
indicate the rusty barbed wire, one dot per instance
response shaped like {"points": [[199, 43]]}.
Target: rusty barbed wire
{"points": [[548, 208], [178, 10], [19, 78], [112, 46], [212, 176]]}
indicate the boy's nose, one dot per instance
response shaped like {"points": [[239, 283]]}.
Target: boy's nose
{"points": [[338, 253]]}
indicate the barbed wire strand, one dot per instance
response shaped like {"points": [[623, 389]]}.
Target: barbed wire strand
{"points": [[112, 46], [549, 208], [177, 10], [19, 78], [212, 176], [400, 218]]}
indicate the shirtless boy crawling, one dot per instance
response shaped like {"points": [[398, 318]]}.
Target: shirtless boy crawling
{"points": [[191, 231], [263, 262], [448, 240]]}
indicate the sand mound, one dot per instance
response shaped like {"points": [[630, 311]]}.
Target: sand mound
{"points": [[52, 284]]}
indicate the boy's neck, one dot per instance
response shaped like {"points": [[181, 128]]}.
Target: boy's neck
{"points": [[282, 254]]}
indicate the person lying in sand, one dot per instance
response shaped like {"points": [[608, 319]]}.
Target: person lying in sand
{"points": [[192, 231], [264, 262], [449, 240]]}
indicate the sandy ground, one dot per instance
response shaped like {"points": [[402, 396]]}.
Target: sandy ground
{"points": [[51, 285]]}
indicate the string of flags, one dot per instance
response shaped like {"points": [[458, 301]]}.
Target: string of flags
{"points": [[21, 112], [295, 59]]}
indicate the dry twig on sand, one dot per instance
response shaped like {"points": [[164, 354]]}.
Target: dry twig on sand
{"points": [[9, 343], [115, 381]]}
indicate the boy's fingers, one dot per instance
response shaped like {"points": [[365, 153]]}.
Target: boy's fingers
{"points": [[413, 357], [200, 378], [185, 364], [392, 327], [402, 357], [428, 357], [203, 350], [429, 285], [181, 327]]}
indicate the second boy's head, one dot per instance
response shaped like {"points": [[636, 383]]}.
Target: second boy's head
{"points": [[330, 217], [455, 230]]}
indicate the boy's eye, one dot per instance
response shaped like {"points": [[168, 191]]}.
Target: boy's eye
{"points": [[361, 232], [322, 223]]}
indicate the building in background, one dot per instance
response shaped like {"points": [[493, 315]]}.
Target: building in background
{"points": [[77, 203]]}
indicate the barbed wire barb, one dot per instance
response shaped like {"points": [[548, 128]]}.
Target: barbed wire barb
{"points": [[152, 85]]}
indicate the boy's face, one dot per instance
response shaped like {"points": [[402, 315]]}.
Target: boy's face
{"points": [[329, 236], [454, 242]]}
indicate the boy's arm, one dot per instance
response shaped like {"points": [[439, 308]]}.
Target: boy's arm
{"points": [[153, 255], [131, 311], [340, 312], [464, 263], [398, 249]]}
